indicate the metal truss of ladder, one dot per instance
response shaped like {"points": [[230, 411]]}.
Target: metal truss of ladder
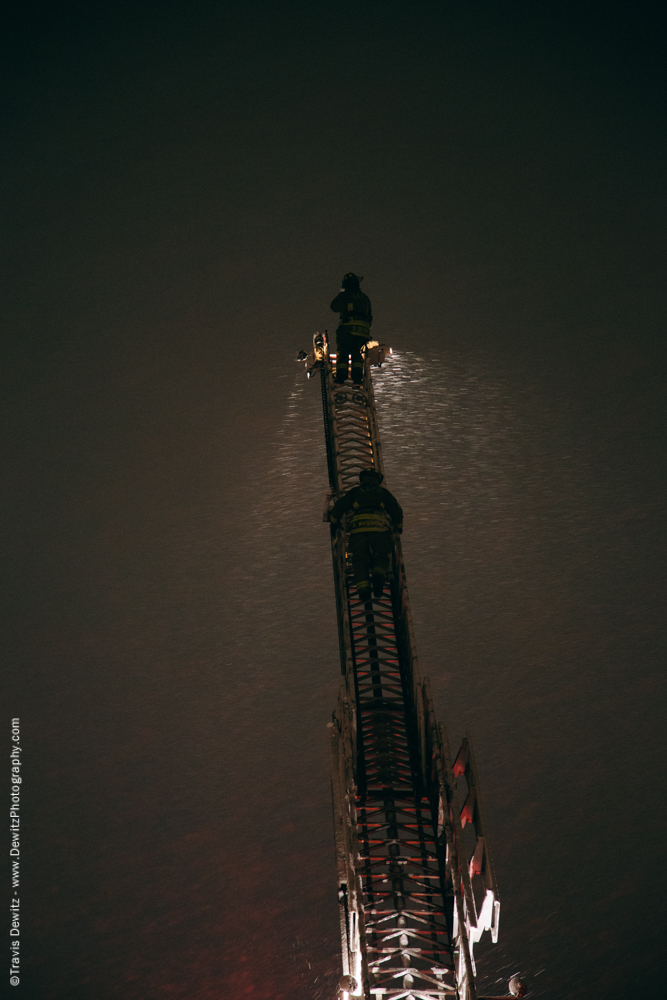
{"points": [[414, 894], [408, 933]]}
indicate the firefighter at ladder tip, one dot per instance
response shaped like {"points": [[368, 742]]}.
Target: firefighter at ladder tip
{"points": [[354, 328], [375, 513]]}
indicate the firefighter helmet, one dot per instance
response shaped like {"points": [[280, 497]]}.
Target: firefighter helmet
{"points": [[367, 474], [351, 280]]}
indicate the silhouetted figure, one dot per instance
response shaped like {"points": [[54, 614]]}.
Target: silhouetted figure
{"points": [[375, 514], [354, 329]]}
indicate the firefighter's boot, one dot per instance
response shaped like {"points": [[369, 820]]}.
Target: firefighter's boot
{"points": [[357, 372]]}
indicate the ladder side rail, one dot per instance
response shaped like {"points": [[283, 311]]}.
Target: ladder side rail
{"points": [[481, 825], [481, 860], [337, 764], [378, 462], [464, 856], [332, 426], [350, 892], [339, 540], [469, 771], [478, 861], [326, 413], [439, 802], [488, 916], [357, 938], [408, 651], [448, 825], [352, 680], [446, 789], [338, 545]]}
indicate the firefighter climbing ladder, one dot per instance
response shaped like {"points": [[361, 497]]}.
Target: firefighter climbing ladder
{"points": [[416, 885]]}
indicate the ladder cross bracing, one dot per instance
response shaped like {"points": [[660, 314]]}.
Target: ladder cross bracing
{"points": [[415, 892]]}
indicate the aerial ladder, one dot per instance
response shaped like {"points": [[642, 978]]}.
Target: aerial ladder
{"points": [[416, 883]]}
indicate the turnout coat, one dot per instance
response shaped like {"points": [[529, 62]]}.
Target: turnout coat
{"points": [[373, 508]]}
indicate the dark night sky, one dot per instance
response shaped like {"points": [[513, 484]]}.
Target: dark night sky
{"points": [[183, 185]]}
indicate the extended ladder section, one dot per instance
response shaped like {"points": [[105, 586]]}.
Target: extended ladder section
{"points": [[416, 886]]}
